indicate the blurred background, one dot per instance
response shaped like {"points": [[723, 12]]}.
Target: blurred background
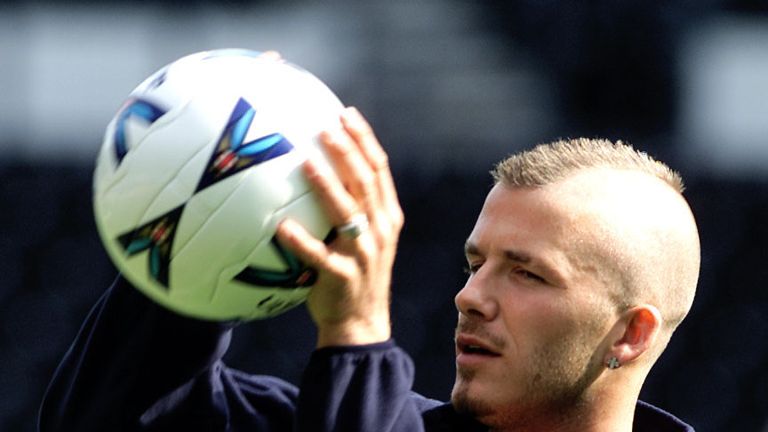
{"points": [[451, 87]]}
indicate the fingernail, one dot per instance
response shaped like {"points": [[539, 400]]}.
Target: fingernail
{"points": [[351, 115], [286, 227], [331, 139], [310, 168], [271, 55], [326, 136]]}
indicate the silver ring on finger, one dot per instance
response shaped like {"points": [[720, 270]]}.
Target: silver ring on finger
{"points": [[356, 225]]}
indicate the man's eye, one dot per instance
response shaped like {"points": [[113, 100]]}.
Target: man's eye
{"points": [[529, 275], [471, 268]]}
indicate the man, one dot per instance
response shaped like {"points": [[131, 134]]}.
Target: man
{"points": [[582, 262], [584, 259]]}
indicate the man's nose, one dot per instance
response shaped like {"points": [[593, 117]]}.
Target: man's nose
{"points": [[475, 299]]}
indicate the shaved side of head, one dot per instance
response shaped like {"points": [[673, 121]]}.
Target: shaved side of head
{"points": [[643, 237]]}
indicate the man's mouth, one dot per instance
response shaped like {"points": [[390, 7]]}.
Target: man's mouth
{"points": [[470, 345], [473, 349]]}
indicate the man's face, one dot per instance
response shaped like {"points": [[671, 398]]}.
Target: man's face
{"points": [[534, 312]]}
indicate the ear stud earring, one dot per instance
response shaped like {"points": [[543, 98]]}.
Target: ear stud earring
{"points": [[613, 363]]}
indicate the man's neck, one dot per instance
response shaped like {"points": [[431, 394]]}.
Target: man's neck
{"points": [[599, 416]]}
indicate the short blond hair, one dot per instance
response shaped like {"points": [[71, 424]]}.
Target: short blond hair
{"points": [[548, 163]]}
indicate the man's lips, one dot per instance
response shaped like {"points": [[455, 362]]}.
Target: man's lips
{"points": [[468, 345]]}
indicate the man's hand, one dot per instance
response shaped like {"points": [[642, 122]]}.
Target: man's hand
{"points": [[350, 301]]}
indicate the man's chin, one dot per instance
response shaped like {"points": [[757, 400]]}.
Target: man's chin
{"points": [[465, 402]]}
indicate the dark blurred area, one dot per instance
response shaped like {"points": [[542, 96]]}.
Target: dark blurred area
{"points": [[450, 87]]}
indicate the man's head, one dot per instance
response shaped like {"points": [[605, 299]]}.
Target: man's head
{"points": [[584, 250]]}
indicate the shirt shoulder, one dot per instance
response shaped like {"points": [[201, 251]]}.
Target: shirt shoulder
{"points": [[649, 418]]}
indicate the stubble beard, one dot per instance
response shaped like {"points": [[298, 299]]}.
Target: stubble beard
{"points": [[556, 389]]}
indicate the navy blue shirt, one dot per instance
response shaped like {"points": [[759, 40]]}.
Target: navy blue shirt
{"points": [[136, 367]]}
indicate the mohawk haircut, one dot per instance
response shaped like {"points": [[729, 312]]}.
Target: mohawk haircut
{"points": [[548, 163]]}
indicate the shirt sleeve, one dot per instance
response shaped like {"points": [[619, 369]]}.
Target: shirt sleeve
{"points": [[359, 388], [135, 366]]}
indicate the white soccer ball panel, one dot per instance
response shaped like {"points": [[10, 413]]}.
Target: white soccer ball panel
{"points": [[228, 234], [134, 199]]}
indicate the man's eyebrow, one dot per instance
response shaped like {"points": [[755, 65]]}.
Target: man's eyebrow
{"points": [[511, 254], [518, 256], [552, 273]]}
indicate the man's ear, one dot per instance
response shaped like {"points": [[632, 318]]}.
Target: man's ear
{"points": [[636, 332]]}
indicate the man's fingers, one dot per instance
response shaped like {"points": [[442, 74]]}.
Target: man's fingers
{"points": [[350, 300], [363, 136], [316, 254], [271, 55], [359, 183], [338, 204], [309, 250], [353, 169]]}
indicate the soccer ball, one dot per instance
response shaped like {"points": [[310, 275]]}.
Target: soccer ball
{"points": [[196, 170]]}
